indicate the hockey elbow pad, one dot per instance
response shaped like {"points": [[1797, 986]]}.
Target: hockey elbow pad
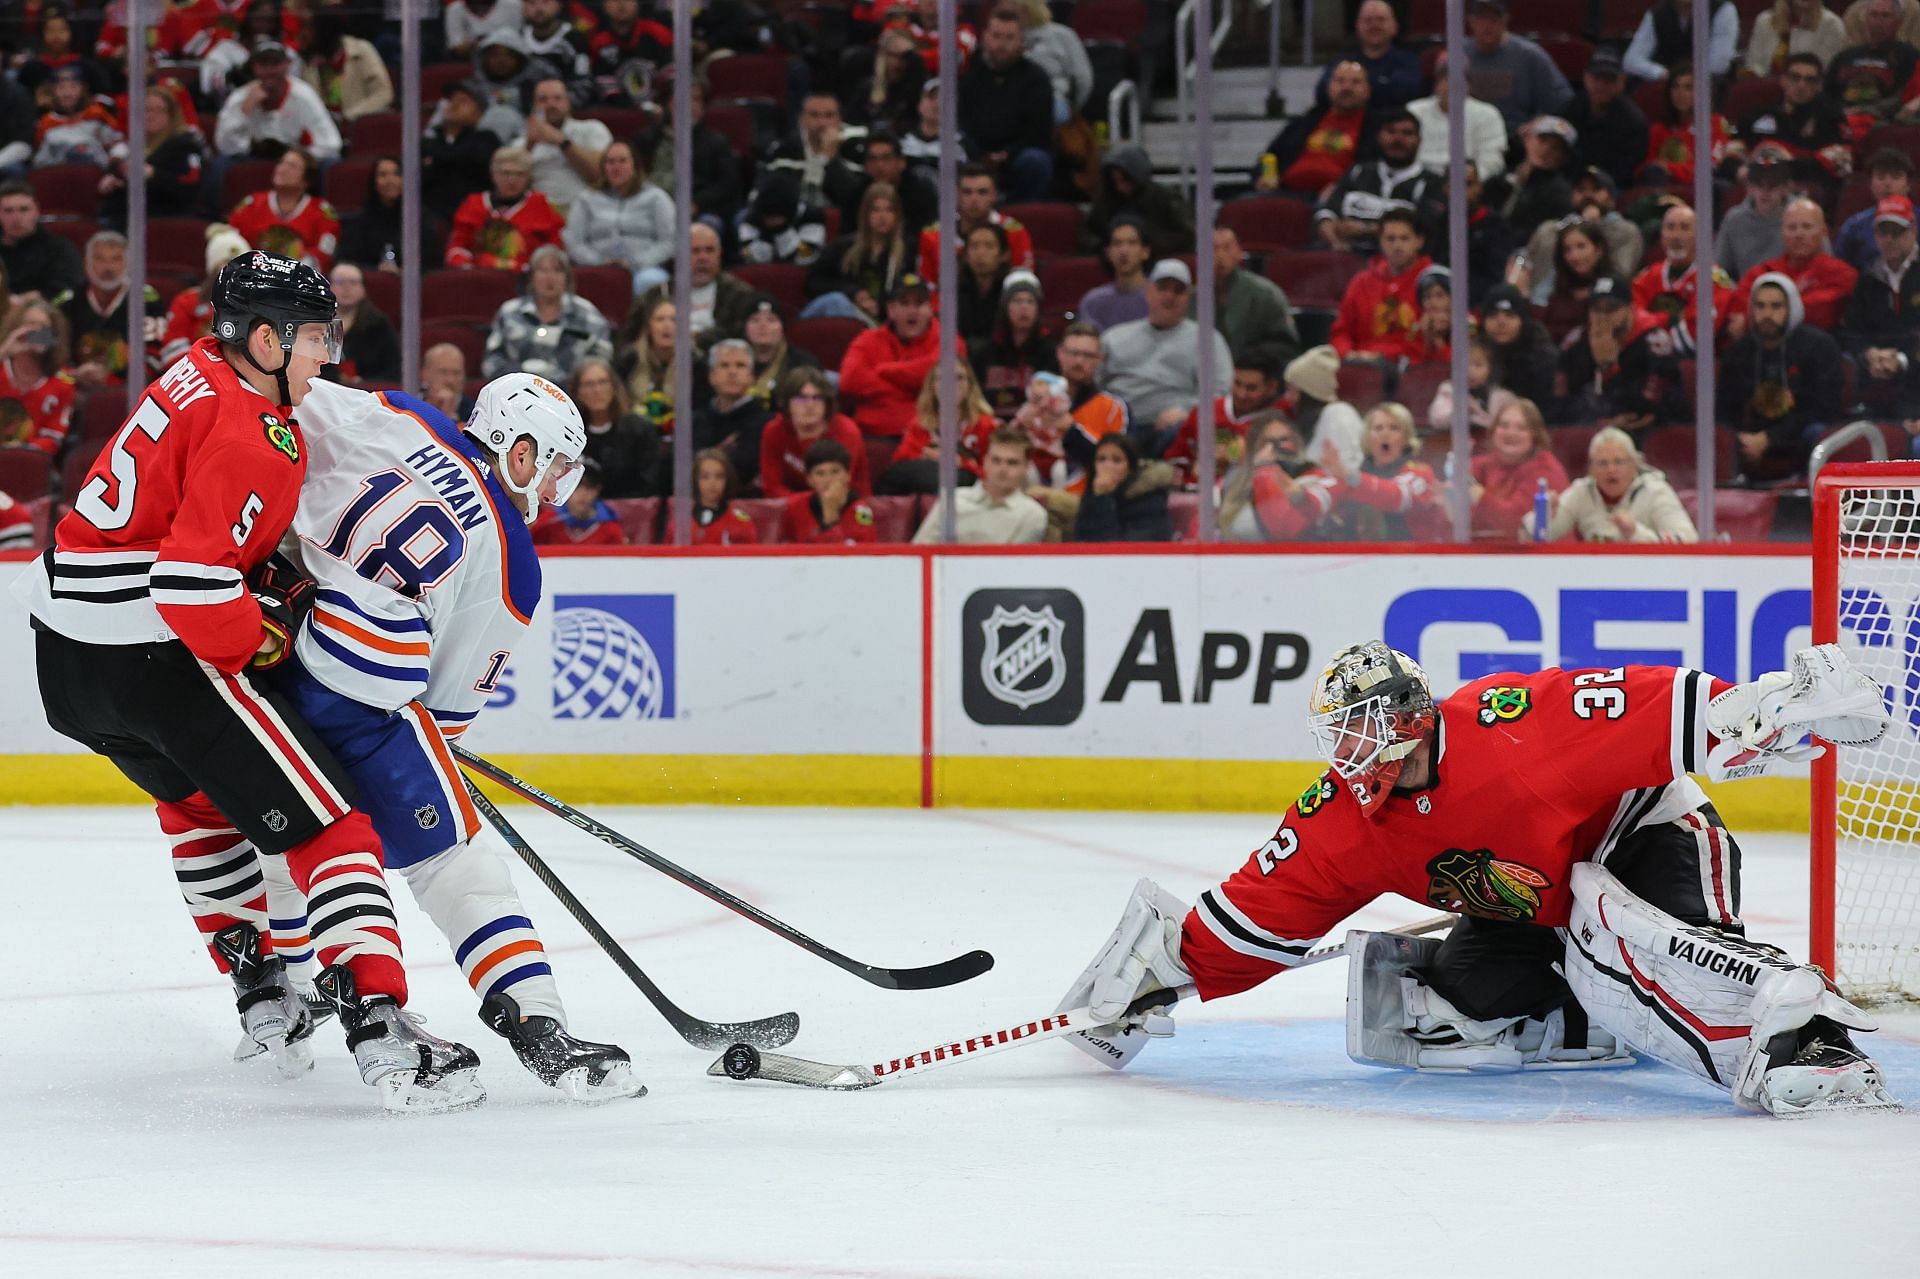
{"points": [[285, 597]]}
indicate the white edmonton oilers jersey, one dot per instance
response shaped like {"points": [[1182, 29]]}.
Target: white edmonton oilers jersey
{"points": [[426, 573]]}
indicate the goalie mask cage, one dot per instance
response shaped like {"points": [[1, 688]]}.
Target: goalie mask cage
{"points": [[1866, 799]]}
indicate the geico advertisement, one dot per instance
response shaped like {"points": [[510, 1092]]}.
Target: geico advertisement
{"points": [[661, 656], [1213, 656]]}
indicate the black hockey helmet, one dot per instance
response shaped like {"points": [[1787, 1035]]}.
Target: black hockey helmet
{"points": [[259, 288]]}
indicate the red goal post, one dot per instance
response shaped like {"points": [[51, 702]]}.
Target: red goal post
{"points": [[1865, 834]]}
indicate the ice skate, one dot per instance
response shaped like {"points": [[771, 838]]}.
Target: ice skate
{"points": [[416, 1073], [273, 1020], [582, 1071], [1827, 1074]]}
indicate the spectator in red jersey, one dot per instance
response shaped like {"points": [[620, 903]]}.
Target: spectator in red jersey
{"points": [[1376, 317], [16, 525], [624, 443], [831, 513], [1668, 288], [979, 192], [36, 394], [1279, 494], [1126, 498], [585, 520], [503, 226], [1256, 388], [624, 49], [805, 412], [1433, 331], [36, 260], [1670, 143], [97, 316], [287, 219], [916, 463], [884, 368], [276, 111], [1506, 478], [1317, 148], [76, 128], [1017, 347], [175, 159], [717, 519], [1824, 281], [1393, 497], [190, 314], [922, 21]]}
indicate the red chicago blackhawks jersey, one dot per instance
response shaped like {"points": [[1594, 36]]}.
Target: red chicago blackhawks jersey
{"points": [[308, 233], [1532, 773], [191, 494]]}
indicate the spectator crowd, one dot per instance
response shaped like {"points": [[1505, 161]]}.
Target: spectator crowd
{"points": [[547, 236]]}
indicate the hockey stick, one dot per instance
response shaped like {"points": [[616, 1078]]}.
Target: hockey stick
{"points": [[946, 973], [744, 1061], [768, 1032]]}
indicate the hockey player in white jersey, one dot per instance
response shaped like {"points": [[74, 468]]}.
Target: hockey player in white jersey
{"points": [[414, 531]]}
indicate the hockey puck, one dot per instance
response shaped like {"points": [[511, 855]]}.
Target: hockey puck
{"points": [[742, 1061]]}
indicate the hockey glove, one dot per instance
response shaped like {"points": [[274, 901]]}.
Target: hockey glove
{"points": [[285, 596], [1766, 719]]}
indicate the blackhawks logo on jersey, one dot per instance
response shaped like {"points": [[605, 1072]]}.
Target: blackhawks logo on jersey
{"points": [[280, 435], [1477, 883], [1315, 795], [1504, 704]]}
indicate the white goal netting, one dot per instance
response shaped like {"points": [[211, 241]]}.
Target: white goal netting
{"points": [[1876, 829]]}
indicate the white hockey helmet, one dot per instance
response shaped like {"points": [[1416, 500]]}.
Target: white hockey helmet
{"points": [[518, 406], [1371, 707]]}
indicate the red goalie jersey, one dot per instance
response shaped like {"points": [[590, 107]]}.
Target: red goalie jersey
{"points": [[1531, 774]]}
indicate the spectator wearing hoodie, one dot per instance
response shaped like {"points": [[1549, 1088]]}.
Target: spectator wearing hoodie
{"points": [[1780, 382], [1377, 316], [503, 72], [1348, 218], [885, 367], [1882, 329], [623, 221], [1127, 188], [1822, 281]]}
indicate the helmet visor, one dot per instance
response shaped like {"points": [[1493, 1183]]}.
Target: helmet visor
{"points": [[563, 474], [320, 340]]}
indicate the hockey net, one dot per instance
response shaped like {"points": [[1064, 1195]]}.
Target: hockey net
{"points": [[1866, 800]]}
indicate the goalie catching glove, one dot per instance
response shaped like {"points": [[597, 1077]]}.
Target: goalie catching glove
{"points": [[285, 596], [1765, 720], [1140, 958]]}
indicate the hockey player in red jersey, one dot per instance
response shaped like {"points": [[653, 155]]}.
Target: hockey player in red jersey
{"points": [[146, 635], [1555, 814]]}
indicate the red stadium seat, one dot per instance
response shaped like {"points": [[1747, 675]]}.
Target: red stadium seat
{"points": [[1121, 21], [74, 231], [44, 512], [25, 472], [894, 518], [1569, 53], [1749, 97], [757, 76], [436, 76], [177, 246], [1418, 385], [786, 283], [1314, 278], [473, 294], [383, 290], [1054, 226], [880, 450], [735, 124], [826, 336], [1363, 383], [765, 513], [625, 123], [242, 179], [1269, 223], [346, 184], [1651, 97], [1672, 449], [67, 190], [1901, 137], [376, 135], [638, 516], [471, 341], [1739, 515], [608, 287], [1546, 18], [1064, 281], [73, 471], [1570, 446], [101, 414], [1184, 508], [1855, 196], [1621, 17]]}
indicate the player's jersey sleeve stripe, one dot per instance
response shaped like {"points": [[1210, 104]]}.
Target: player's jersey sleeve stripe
{"points": [[401, 626], [339, 652], [1238, 932], [392, 647], [179, 582], [1690, 692]]}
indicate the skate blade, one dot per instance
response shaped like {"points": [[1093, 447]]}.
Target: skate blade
{"points": [[402, 1094], [290, 1058], [577, 1085], [1862, 1103]]}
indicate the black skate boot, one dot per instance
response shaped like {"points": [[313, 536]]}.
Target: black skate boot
{"points": [[273, 1020], [415, 1072], [1819, 1067], [581, 1070]]}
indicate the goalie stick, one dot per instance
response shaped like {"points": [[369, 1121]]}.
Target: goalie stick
{"points": [[745, 1061], [768, 1032], [946, 973]]}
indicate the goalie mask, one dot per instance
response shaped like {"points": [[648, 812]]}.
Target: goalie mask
{"points": [[1371, 707], [523, 406]]}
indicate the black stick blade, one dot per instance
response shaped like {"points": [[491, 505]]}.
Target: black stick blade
{"points": [[768, 1032], [949, 972]]}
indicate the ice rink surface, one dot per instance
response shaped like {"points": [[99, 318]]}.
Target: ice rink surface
{"points": [[1248, 1145]]}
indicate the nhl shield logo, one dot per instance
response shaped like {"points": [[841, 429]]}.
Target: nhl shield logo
{"points": [[275, 819], [427, 816], [1022, 656], [1022, 662]]}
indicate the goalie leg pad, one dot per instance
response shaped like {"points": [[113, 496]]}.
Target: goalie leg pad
{"points": [[1140, 956]]}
